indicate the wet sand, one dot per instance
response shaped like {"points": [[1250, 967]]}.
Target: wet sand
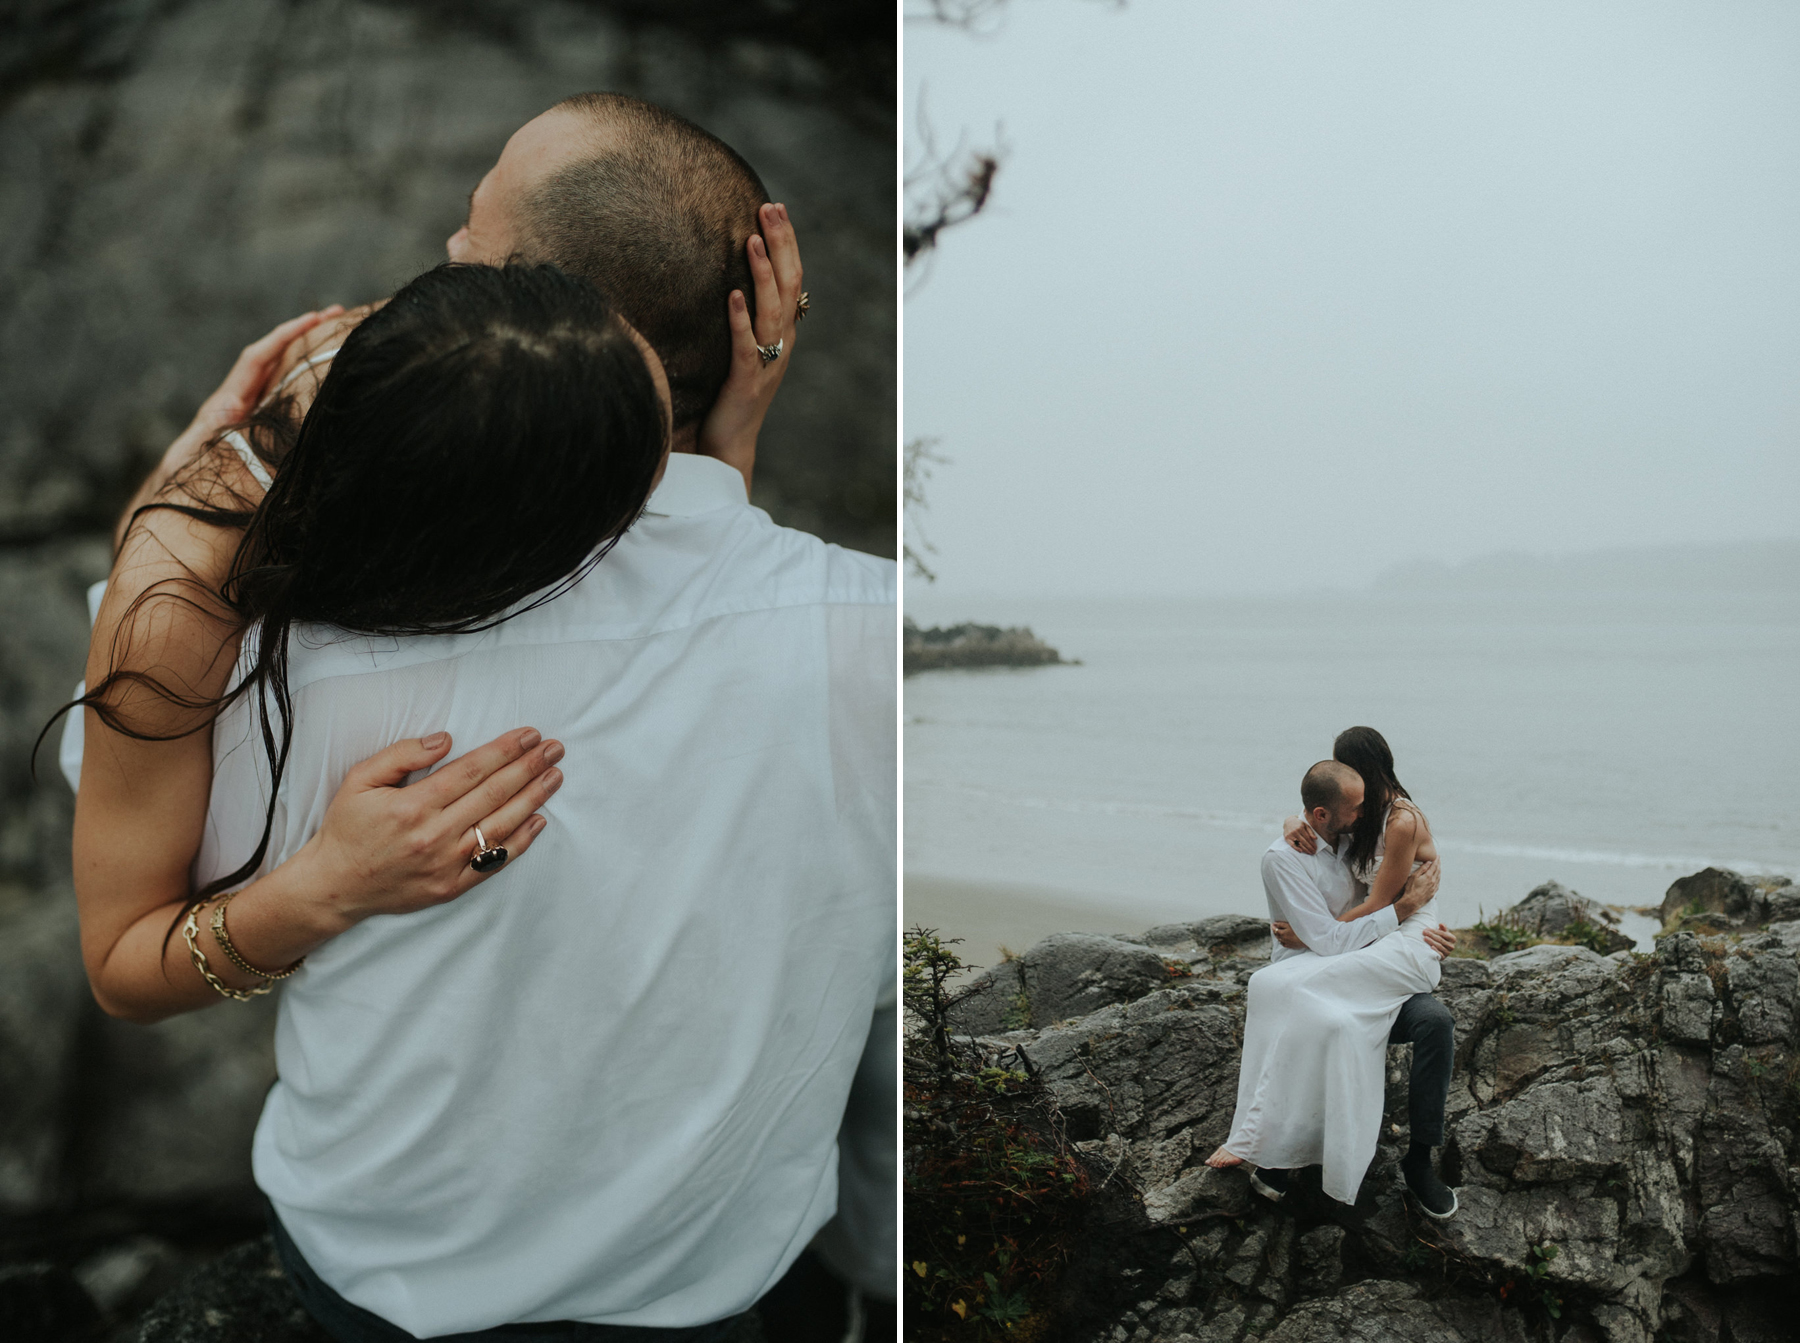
{"points": [[992, 915]]}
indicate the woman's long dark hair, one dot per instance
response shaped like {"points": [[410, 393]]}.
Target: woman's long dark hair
{"points": [[1366, 751], [485, 436]]}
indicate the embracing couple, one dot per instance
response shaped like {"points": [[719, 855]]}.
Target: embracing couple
{"points": [[1351, 887], [586, 1032]]}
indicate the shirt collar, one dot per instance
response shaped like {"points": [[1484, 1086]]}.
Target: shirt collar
{"points": [[694, 484]]}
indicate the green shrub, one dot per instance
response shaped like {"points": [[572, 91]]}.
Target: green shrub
{"points": [[994, 1194]]}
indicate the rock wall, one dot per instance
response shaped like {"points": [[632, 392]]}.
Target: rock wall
{"points": [[1637, 1113], [180, 176]]}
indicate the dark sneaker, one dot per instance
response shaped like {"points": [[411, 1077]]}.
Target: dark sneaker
{"points": [[1434, 1197], [1271, 1184]]}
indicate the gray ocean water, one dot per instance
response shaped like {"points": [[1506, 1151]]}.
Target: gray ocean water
{"points": [[1610, 742]]}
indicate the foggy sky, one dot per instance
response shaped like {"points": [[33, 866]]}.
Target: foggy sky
{"points": [[1277, 295]]}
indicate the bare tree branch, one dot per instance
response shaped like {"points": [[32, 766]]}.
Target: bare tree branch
{"points": [[970, 14], [943, 188], [917, 463]]}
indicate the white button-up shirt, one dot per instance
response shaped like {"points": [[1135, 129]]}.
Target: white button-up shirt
{"points": [[606, 1085], [1308, 891]]}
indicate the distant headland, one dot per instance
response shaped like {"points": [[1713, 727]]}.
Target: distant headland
{"points": [[968, 645]]}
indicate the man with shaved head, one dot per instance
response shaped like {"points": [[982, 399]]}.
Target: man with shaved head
{"points": [[655, 211], [1307, 892], [659, 1201]]}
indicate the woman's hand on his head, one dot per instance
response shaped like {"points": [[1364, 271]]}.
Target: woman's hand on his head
{"points": [[334, 326], [732, 425], [386, 847]]}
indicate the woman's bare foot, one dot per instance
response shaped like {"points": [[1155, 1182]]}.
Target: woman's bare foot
{"points": [[1223, 1160]]}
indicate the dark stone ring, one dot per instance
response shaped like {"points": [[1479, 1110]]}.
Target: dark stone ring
{"points": [[488, 857]]}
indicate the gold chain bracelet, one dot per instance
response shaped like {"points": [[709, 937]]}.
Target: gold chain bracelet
{"points": [[190, 933], [237, 959]]}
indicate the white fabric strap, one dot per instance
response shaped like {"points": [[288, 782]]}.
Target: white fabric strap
{"points": [[301, 367], [252, 462]]}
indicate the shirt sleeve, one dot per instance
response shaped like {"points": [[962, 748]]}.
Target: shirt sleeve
{"points": [[72, 746], [1291, 890]]}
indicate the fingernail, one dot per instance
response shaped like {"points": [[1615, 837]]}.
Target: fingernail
{"points": [[531, 738], [538, 823], [783, 209], [552, 780], [553, 752], [434, 741], [757, 242], [737, 298]]}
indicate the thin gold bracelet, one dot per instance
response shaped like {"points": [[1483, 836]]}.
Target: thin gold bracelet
{"points": [[190, 933], [237, 958]]}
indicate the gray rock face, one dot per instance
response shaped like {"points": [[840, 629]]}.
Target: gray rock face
{"points": [[43, 999], [1393, 1310], [1634, 1113], [1066, 975], [43, 1303]]}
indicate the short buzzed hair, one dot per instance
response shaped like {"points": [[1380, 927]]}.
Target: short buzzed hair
{"points": [[1324, 785], [656, 216]]}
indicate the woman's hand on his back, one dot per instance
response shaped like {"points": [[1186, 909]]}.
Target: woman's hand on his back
{"points": [[731, 426], [1299, 835], [389, 848], [1420, 887]]}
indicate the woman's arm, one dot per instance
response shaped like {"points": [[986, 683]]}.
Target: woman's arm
{"points": [[146, 779], [1401, 846], [146, 774], [384, 848]]}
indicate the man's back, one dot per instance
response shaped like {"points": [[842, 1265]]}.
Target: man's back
{"points": [[606, 1084]]}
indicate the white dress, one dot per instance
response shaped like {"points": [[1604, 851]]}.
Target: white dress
{"points": [[1312, 1083]]}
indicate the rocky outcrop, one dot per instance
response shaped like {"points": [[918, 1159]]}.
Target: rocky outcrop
{"points": [[1622, 1133], [937, 649], [1717, 900], [1553, 911]]}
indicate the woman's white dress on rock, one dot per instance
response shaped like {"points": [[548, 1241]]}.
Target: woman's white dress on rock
{"points": [[1312, 1085]]}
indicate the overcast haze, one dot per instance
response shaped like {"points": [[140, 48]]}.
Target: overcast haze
{"points": [[1281, 295]]}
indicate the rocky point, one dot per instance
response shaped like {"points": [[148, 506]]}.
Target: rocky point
{"points": [[1621, 1133]]}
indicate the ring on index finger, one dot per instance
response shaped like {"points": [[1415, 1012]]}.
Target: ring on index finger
{"points": [[488, 857]]}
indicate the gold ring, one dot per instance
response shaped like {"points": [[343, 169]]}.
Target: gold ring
{"points": [[800, 307]]}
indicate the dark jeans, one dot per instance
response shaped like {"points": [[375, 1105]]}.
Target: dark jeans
{"points": [[1426, 1024], [349, 1323]]}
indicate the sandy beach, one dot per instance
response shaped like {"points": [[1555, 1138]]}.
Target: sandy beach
{"points": [[992, 915]]}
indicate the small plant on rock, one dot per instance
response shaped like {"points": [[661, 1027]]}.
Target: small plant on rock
{"points": [[1581, 933], [1506, 932], [1537, 1270], [994, 1194]]}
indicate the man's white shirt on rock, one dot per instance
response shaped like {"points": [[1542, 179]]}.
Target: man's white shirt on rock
{"points": [[606, 1085], [1308, 891]]}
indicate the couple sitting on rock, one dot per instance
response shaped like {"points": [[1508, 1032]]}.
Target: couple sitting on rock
{"points": [[1351, 890], [568, 1023]]}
